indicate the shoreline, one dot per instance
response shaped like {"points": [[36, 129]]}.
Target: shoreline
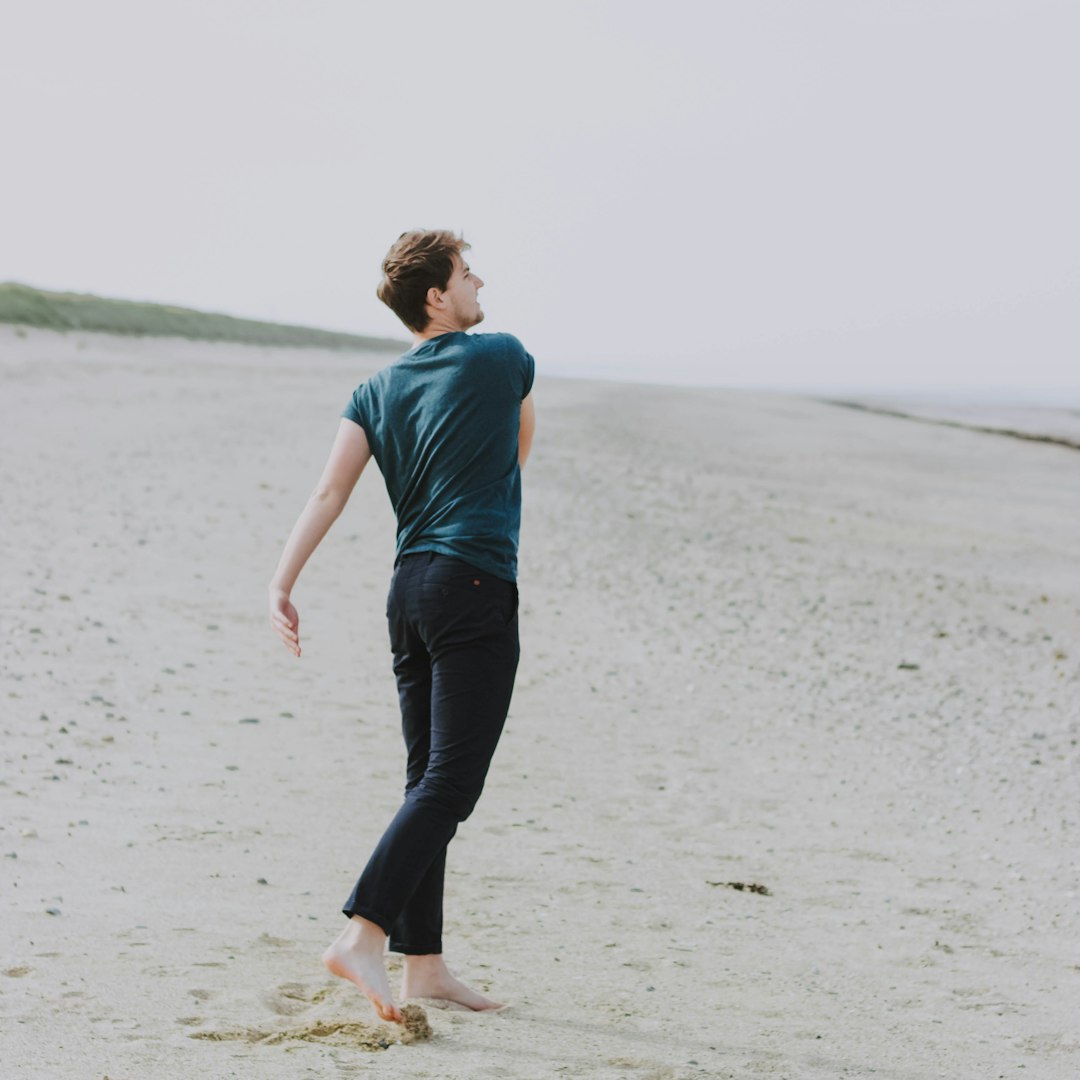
{"points": [[1001, 415], [1033, 430]]}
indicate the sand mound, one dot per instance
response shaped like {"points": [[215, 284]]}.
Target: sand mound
{"points": [[357, 1034]]}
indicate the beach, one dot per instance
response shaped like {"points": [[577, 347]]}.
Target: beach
{"points": [[790, 785]]}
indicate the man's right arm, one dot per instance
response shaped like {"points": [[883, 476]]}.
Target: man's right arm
{"points": [[348, 456]]}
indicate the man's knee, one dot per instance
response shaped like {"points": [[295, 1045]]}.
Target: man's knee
{"points": [[452, 798]]}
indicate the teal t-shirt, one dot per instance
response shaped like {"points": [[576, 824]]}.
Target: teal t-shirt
{"points": [[442, 423]]}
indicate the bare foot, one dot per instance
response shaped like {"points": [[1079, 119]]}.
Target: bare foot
{"points": [[429, 977], [357, 955]]}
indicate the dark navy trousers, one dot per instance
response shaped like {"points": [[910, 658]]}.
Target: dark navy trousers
{"points": [[454, 636]]}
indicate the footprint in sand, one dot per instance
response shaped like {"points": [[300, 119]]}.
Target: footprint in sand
{"points": [[652, 1071], [275, 942], [291, 999]]}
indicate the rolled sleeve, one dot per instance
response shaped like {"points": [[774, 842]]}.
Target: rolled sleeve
{"points": [[352, 410]]}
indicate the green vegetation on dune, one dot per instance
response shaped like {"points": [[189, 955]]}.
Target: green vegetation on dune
{"points": [[74, 311]]}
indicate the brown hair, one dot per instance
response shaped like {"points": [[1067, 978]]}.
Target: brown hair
{"points": [[419, 260]]}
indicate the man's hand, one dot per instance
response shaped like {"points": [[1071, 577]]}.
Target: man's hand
{"points": [[285, 620]]}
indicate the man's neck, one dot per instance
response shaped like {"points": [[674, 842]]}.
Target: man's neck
{"points": [[436, 328]]}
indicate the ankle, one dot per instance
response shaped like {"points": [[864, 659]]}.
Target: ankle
{"points": [[363, 933], [426, 964]]}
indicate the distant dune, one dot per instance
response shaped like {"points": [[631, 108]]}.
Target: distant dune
{"points": [[27, 306]]}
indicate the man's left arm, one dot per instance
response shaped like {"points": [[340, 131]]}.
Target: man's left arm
{"points": [[528, 426]]}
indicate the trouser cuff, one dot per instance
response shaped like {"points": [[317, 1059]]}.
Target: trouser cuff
{"points": [[371, 916], [432, 948]]}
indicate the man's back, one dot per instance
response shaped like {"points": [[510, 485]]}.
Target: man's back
{"points": [[443, 424]]}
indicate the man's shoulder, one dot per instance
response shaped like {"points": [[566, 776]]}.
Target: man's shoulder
{"points": [[497, 342], [378, 384], [505, 357], [373, 380]]}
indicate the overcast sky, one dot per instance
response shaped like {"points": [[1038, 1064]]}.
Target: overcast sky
{"points": [[807, 192]]}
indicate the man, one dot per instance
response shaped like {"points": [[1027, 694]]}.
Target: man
{"points": [[450, 424]]}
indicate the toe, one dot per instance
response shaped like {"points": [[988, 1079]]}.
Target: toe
{"points": [[391, 1013]]}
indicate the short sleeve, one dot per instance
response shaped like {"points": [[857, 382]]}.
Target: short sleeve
{"points": [[528, 373], [352, 410], [521, 366]]}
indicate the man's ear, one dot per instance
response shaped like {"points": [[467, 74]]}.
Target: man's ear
{"points": [[434, 297]]}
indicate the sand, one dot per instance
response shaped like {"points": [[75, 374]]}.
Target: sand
{"points": [[767, 642]]}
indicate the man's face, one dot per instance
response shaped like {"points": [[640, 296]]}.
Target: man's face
{"points": [[460, 295]]}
